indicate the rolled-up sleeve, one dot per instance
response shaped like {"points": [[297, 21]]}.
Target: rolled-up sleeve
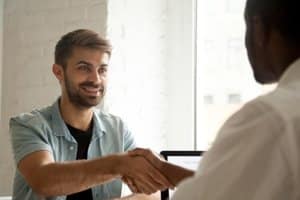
{"points": [[129, 142]]}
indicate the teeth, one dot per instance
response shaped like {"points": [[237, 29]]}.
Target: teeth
{"points": [[90, 89]]}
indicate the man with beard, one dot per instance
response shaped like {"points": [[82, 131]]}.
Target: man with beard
{"points": [[71, 150]]}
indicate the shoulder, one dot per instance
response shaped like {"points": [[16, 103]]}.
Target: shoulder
{"points": [[278, 106], [256, 119], [257, 110], [34, 118]]}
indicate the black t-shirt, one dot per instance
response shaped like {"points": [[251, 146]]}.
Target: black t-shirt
{"points": [[83, 139]]}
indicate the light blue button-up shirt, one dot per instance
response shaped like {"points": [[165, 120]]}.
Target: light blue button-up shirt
{"points": [[45, 130]]}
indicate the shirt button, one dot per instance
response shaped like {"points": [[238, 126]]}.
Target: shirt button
{"points": [[71, 148]]}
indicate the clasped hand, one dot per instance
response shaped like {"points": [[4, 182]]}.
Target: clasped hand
{"points": [[144, 172]]}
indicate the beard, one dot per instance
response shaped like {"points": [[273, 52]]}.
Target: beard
{"points": [[78, 98]]}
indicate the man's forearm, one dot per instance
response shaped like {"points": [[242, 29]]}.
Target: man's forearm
{"points": [[70, 177], [174, 173], [49, 178]]}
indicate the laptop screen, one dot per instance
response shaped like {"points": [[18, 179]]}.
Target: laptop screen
{"points": [[186, 159]]}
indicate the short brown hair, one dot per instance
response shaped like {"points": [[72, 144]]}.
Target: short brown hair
{"points": [[79, 38]]}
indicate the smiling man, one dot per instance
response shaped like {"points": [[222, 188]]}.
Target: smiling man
{"points": [[70, 150]]}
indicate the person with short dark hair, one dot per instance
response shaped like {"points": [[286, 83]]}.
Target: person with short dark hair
{"points": [[71, 150], [256, 153]]}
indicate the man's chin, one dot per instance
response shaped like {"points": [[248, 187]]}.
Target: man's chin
{"points": [[88, 102], [265, 79], [93, 101]]}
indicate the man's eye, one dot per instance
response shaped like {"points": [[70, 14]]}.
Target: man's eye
{"points": [[102, 70], [84, 68]]}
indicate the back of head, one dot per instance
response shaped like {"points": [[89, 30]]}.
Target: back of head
{"points": [[79, 38], [280, 15]]}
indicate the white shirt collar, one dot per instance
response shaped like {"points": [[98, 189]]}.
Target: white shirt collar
{"points": [[291, 74]]}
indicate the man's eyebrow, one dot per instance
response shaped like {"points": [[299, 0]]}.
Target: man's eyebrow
{"points": [[90, 64], [83, 62], [103, 65]]}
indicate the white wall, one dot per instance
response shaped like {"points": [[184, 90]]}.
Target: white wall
{"points": [[31, 29]]}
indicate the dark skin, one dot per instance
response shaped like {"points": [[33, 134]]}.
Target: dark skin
{"points": [[269, 52]]}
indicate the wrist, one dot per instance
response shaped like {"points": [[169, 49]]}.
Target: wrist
{"points": [[119, 164]]}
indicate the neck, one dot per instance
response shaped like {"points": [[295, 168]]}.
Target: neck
{"points": [[75, 116], [283, 54], [284, 61]]}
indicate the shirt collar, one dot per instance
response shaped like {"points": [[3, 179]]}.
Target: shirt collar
{"points": [[58, 124], [291, 74], [60, 128], [99, 128]]}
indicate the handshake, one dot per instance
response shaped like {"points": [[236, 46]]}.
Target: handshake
{"points": [[145, 172]]}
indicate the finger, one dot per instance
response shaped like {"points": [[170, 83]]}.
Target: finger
{"points": [[152, 180], [126, 180], [145, 183], [149, 178], [131, 185], [143, 152], [137, 152], [143, 186], [133, 188], [151, 156], [159, 178], [159, 185]]}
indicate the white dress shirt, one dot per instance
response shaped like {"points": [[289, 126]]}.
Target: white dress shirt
{"points": [[256, 154]]}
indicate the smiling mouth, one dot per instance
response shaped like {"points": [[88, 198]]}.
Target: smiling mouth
{"points": [[93, 91]]}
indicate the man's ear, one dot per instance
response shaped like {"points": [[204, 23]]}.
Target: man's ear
{"points": [[260, 31], [58, 71]]}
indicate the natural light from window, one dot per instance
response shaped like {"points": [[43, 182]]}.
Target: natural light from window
{"points": [[224, 76]]}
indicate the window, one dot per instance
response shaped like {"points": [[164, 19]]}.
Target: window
{"points": [[173, 87], [223, 70]]}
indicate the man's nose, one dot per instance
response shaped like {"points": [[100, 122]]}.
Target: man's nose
{"points": [[95, 77]]}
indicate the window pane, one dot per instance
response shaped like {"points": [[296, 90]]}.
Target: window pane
{"points": [[224, 76]]}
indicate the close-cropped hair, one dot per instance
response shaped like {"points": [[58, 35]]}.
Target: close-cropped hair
{"points": [[79, 38], [281, 15]]}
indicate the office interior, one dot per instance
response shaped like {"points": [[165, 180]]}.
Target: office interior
{"points": [[166, 75]]}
